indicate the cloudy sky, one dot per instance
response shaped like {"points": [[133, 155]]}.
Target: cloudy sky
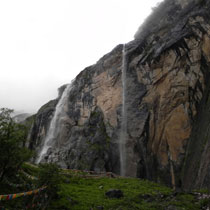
{"points": [[46, 43]]}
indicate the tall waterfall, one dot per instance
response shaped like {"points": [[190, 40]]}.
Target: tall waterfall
{"points": [[123, 132], [54, 124]]}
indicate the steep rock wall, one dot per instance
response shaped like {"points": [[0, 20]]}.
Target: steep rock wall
{"points": [[92, 119], [167, 103]]}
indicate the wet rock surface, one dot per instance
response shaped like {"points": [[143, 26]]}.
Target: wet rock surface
{"points": [[167, 102]]}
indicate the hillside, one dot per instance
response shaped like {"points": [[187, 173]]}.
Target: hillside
{"points": [[87, 190]]}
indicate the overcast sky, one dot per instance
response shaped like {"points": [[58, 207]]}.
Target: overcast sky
{"points": [[46, 43]]}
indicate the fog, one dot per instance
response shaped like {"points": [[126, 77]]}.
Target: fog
{"points": [[46, 43]]}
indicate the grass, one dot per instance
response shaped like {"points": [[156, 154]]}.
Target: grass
{"points": [[80, 191], [87, 193]]}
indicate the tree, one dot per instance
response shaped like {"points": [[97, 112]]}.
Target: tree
{"points": [[12, 139], [49, 176]]}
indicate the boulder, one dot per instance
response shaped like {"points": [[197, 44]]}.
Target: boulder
{"points": [[114, 193]]}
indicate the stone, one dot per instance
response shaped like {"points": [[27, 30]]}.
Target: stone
{"points": [[114, 193], [146, 197], [101, 187], [100, 207]]}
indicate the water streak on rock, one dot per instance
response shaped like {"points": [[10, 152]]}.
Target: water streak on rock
{"points": [[123, 132], [54, 124]]}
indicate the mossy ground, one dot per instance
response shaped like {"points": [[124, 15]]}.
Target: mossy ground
{"points": [[82, 191], [78, 192], [89, 193]]}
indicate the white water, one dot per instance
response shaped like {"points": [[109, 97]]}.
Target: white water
{"points": [[40, 127], [54, 124], [123, 132]]}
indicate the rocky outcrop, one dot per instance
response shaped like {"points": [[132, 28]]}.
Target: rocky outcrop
{"points": [[93, 112], [167, 100]]}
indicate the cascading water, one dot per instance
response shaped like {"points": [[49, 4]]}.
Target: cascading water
{"points": [[54, 124], [123, 131]]}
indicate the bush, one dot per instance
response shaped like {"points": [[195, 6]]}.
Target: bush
{"points": [[12, 140], [49, 177]]}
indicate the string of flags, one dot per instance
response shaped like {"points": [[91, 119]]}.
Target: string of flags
{"points": [[17, 195], [29, 176], [20, 185], [12, 184]]}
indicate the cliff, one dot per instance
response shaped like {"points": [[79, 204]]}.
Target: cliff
{"points": [[166, 99]]}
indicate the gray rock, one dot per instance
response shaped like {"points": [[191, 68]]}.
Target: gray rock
{"points": [[114, 193], [99, 207], [101, 187]]}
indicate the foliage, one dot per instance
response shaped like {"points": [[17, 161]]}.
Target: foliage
{"points": [[49, 176], [12, 141]]}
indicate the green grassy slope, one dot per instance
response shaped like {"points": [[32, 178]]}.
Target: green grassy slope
{"points": [[85, 191], [78, 192]]}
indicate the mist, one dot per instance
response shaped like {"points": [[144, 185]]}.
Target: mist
{"points": [[46, 43]]}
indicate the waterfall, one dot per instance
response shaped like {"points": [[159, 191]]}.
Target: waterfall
{"points": [[54, 124], [123, 131]]}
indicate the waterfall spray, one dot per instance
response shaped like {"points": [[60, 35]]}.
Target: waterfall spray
{"points": [[123, 131], [54, 124]]}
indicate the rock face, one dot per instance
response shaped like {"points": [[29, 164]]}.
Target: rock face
{"points": [[167, 101]]}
